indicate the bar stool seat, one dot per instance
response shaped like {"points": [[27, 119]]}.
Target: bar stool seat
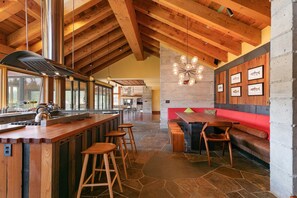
{"points": [[104, 149], [118, 136], [131, 139]]}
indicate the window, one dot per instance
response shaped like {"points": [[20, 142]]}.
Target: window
{"points": [[103, 97], [24, 91], [76, 95], [116, 96]]}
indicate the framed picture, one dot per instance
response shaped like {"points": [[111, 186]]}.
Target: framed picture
{"points": [[235, 78], [220, 87], [235, 91], [256, 89], [255, 73]]}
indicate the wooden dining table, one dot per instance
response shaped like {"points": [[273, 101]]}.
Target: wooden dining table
{"points": [[192, 126]]}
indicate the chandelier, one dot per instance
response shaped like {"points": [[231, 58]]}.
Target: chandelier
{"points": [[188, 72]]}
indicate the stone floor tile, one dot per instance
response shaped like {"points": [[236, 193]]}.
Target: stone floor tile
{"points": [[265, 195], [260, 181], [248, 185], [222, 183], [175, 190], [154, 190], [133, 183], [246, 194], [229, 172], [147, 180], [127, 191], [234, 195]]}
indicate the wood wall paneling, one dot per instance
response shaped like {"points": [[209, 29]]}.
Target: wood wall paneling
{"points": [[221, 96], [243, 68]]}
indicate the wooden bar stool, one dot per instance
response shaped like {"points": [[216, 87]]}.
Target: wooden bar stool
{"points": [[118, 137], [104, 149], [131, 139]]}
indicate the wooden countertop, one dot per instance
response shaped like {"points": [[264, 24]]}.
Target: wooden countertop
{"points": [[53, 133]]}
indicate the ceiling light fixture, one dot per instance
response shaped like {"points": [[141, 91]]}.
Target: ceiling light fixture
{"points": [[186, 71]]}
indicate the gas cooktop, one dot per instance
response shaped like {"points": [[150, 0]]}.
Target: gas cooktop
{"points": [[26, 122]]}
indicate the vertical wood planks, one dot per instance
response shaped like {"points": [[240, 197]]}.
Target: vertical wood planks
{"points": [[46, 170], [221, 96], [243, 68], [35, 169]]}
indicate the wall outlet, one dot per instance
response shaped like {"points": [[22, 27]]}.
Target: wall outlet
{"points": [[7, 149]]}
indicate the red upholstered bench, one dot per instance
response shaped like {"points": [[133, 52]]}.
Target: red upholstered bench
{"points": [[251, 135]]}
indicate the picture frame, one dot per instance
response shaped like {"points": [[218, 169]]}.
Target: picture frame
{"points": [[235, 78], [256, 89], [256, 73], [220, 88], [236, 91]]}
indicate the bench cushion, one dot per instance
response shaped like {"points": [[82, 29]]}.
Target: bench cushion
{"points": [[256, 146], [252, 131]]}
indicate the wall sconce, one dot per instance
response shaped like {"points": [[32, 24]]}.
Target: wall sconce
{"points": [[91, 79]]}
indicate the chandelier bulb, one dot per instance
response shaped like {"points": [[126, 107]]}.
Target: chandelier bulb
{"points": [[194, 60], [181, 76], [188, 66], [180, 82], [200, 76], [175, 65], [183, 59]]}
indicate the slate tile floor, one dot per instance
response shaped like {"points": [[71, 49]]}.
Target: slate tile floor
{"points": [[158, 172]]}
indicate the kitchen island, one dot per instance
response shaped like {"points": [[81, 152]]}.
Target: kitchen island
{"points": [[46, 161]]}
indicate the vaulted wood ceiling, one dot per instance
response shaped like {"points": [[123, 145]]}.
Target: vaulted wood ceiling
{"points": [[106, 31]]}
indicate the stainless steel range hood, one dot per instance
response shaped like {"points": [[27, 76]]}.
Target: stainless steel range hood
{"points": [[34, 62], [51, 63]]}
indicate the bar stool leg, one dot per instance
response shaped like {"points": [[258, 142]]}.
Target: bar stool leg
{"points": [[105, 158], [123, 157], [132, 135], [116, 170], [83, 173], [93, 169], [126, 150]]}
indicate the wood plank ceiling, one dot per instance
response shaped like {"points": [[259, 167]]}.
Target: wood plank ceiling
{"points": [[105, 31]]}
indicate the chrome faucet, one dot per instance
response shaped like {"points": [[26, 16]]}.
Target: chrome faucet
{"points": [[43, 114]]}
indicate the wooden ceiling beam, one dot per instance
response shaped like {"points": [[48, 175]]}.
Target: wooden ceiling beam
{"points": [[33, 8], [112, 61], [9, 8], [151, 52], [97, 44], [125, 14], [105, 59], [152, 48], [82, 24], [181, 47], [215, 20], [80, 6], [259, 10], [5, 49], [195, 29], [95, 55], [151, 41], [18, 38], [182, 37], [92, 34]]}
